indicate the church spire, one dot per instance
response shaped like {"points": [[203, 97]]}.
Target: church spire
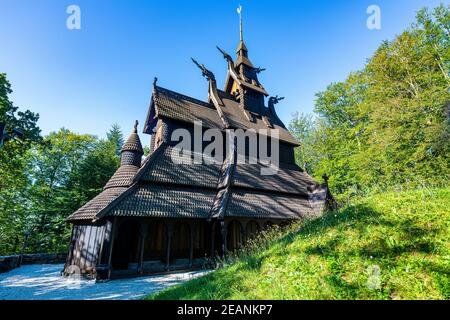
{"points": [[242, 49], [240, 23]]}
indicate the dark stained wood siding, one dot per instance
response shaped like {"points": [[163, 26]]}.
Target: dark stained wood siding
{"points": [[85, 246]]}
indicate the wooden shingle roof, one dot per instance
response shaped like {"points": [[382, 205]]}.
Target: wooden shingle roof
{"points": [[290, 180], [123, 177], [250, 204], [163, 201], [91, 209], [182, 172], [161, 188], [173, 105]]}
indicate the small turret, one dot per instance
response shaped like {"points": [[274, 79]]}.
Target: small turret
{"points": [[132, 150]]}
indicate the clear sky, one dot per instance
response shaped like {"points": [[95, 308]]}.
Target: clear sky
{"points": [[88, 79]]}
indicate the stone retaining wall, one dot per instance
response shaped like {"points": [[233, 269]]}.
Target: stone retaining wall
{"points": [[8, 263]]}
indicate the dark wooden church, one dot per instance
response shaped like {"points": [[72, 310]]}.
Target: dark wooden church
{"points": [[155, 215]]}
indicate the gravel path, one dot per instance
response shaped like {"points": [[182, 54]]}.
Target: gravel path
{"points": [[43, 282]]}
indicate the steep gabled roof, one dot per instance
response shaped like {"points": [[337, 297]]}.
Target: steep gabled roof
{"points": [[237, 119], [173, 105], [170, 167]]}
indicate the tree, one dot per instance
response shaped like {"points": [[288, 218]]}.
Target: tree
{"points": [[302, 127], [409, 98], [387, 124], [13, 161], [66, 171], [51, 165], [341, 132], [97, 167], [115, 136]]}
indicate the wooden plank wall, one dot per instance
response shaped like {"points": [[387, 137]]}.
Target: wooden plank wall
{"points": [[85, 246]]}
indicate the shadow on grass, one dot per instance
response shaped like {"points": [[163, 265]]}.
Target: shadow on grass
{"points": [[409, 237]]}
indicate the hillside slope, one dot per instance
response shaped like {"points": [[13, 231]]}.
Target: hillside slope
{"points": [[388, 246]]}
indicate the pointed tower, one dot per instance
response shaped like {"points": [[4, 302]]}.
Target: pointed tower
{"points": [[130, 161], [132, 150], [242, 79], [242, 51]]}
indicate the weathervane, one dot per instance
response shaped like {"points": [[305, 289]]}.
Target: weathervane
{"points": [[239, 11]]}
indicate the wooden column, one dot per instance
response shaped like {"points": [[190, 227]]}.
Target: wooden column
{"points": [[244, 232], [143, 235], [192, 234], [169, 231], [213, 236], [260, 225], [114, 234], [71, 248], [223, 229]]}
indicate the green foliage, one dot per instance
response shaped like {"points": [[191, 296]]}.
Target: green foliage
{"points": [[386, 125], [115, 136], [97, 167], [389, 246], [66, 171], [50, 168], [13, 162], [302, 127], [43, 180]]}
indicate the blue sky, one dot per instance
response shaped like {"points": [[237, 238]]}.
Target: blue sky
{"points": [[88, 79]]}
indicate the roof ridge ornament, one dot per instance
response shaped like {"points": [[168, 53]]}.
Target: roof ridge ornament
{"points": [[272, 102], [275, 100], [259, 70], [212, 92], [136, 123], [205, 72], [155, 80], [226, 56]]}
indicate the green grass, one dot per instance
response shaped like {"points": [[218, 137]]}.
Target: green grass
{"points": [[388, 246]]}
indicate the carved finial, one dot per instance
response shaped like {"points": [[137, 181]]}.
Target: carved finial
{"points": [[196, 63], [205, 72], [136, 123], [155, 79], [275, 100], [259, 70], [225, 55]]}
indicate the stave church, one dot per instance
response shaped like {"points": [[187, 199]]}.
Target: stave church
{"points": [[157, 215]]}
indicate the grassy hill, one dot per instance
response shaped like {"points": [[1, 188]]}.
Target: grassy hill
{"points": [[388, 246]]}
